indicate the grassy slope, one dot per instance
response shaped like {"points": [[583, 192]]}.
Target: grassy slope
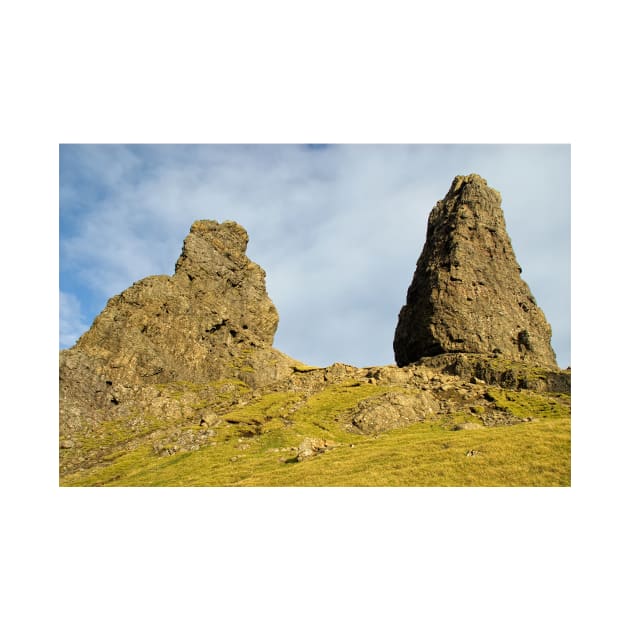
{"points": [[424, 454]]}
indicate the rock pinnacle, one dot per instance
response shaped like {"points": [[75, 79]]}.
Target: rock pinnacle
{"points": [[467, 294], [211, 320]]}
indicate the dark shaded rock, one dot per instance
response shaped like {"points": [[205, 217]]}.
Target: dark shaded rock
{"points": [[492, 370], [467, 295]]}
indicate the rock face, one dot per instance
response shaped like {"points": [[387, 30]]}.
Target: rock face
{"points": [[211, 320], [467, 295]]}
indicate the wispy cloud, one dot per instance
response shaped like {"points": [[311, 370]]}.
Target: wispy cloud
{"points": [[72, 324], [338, 229]]}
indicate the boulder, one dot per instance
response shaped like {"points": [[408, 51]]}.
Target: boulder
{"points": [[309, 447], [392, 410]]}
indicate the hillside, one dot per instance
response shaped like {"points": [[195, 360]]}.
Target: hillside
{"points": [[177, 382], [360, 425]]}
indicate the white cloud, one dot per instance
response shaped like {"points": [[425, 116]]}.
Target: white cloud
{"points": [[72, 324]]}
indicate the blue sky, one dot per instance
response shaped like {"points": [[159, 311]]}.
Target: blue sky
{"points": [[338, 228]]}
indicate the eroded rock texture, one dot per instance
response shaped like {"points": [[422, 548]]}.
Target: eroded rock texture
{"points": [[467, 294], [211, 320]]}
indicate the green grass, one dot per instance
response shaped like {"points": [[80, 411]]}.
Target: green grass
{"points": [[424, 454], [302, 368], [525, 403], [253, 447], [109, 440]]}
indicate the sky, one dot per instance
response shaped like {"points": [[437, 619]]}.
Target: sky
{"points": [[337, 228]]}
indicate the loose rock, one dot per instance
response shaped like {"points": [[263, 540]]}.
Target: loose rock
{"points": [[309, 447]]}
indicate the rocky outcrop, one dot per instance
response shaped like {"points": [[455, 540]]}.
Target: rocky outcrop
{"points": [[175, 364], [494, 370], [211, 320], [467, 295], [393, 410]]}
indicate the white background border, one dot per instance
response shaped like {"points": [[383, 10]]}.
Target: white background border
{"points": [[313, 72]]}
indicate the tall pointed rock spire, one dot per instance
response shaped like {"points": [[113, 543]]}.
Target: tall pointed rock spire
{"points": [[467, 294]]}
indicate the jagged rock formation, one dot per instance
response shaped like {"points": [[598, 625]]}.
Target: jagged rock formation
{"points": [[211, 320], [467, 295], [185, 363]]}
